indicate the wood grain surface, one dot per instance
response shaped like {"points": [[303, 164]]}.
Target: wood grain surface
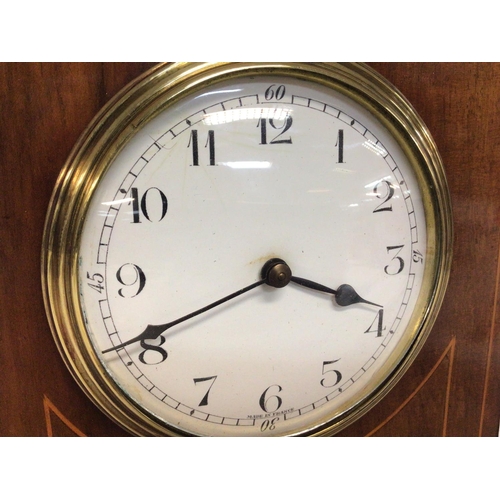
{"points": [[453, 387]]}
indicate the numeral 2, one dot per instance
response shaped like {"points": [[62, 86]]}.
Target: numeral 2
{"points": [[388, 193]]}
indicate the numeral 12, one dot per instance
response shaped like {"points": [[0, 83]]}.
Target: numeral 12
{"points": [[287, 123]]}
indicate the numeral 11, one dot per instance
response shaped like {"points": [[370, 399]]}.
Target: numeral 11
{"points": [[193, 144]]}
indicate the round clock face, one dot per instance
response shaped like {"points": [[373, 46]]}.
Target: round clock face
{"points": [[253, 260]]}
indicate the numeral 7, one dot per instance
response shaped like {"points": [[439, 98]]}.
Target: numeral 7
{"points": [[204, 401]]}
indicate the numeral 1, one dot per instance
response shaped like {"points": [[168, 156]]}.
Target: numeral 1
{"points": [[340, 146]]}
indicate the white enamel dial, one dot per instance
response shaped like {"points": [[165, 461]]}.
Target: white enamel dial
{"points": [[190, 211]]}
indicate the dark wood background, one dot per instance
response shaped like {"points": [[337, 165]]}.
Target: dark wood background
{"points": [[452, 389]]}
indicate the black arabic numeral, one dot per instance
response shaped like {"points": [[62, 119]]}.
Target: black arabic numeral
{"points": [[275, 92], [96, 282], [146, 207], [378, 323], [130, 275], [265, 400], [193, 142], [149, 349], [399, 264], [287, 123], [269, 425], [338, 375], [135, 206], [204, 401], [211, 146], [387, 190], [263, 130], [210, 143], [340, 145], [418, 257]]}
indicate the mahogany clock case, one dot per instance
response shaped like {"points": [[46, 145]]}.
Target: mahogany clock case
{"points": [[452, 388]]}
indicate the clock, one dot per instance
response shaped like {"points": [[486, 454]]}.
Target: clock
{"points": [[247, 249]]}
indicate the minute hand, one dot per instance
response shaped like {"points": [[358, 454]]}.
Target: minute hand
{"points": [[154, 331], [275, 273], [345, 295]]}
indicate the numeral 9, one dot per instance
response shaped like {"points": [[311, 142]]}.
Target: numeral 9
{"points": [[130, 275]]}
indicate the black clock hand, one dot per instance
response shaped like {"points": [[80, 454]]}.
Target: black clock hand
{"points": [[277, 269], [154, 331], [273, 273], [345, 295]]}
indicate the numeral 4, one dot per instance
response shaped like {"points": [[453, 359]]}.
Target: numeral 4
{"points": [[377, 324]]}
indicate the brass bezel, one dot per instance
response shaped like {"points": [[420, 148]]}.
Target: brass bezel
{"points": [[151, 94]]}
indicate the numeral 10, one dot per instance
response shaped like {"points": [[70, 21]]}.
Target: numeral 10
{"points": [[140, 208]]}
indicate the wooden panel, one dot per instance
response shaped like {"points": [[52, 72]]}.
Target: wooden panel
{"points": [[452, 388]]}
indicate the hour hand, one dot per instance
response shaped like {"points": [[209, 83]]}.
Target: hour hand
{"points": [[345, 295]]}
